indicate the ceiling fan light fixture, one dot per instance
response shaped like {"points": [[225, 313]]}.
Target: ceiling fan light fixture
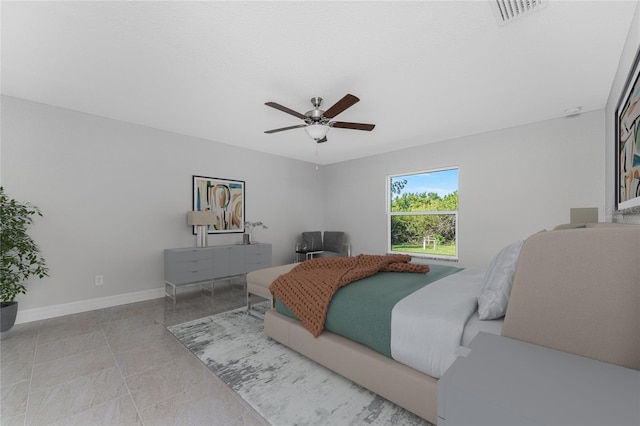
{"points": [[317, 131]]}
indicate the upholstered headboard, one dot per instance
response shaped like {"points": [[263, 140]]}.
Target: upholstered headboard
{"points": [[578, 291]]}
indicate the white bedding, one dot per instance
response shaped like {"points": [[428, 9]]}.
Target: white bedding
{"points": [[476, 325], [427, 326]]}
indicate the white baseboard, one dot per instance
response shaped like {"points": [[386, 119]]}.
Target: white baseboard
{"points": [[46, 312]]}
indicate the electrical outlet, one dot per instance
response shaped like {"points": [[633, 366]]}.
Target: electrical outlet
{"points": [[99, 280]]}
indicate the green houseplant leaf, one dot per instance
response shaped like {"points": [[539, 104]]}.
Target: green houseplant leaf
{"points": [[21, 258]]}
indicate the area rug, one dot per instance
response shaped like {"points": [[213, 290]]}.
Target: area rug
{"points": [[285, 387]]}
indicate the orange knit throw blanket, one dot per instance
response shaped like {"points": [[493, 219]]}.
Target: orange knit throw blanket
{"points": [[308, 288]]}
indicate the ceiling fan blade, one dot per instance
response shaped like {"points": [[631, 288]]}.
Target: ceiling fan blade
{"points": [[347, 101], [287, 110], [322, 140], [285, 128], [354, 126]]}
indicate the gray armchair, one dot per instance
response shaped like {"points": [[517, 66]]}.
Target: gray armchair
{"points": [[315, 244]]}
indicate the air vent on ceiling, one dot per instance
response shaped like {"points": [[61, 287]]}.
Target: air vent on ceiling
{"points": [[509, 10]]}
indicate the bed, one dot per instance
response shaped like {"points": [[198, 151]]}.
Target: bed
{"points": [[384, 352], [409, 377], [417, 319]]}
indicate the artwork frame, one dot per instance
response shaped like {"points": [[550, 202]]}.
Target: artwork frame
{"points": [[225, 197], [627, 142]]}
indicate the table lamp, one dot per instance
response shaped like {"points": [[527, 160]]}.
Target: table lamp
{"points": [[201, 219]]}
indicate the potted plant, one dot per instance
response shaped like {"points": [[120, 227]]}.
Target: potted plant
{"points": [[21, 258], [249, 226]]}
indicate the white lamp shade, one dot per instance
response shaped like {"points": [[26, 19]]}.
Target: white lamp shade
{"points": [[201, 218], [317, 131]]}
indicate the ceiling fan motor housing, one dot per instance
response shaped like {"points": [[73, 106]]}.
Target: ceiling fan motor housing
{"points": [[316, 114]]}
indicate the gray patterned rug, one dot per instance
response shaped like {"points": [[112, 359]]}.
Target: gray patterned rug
{"points": [[284, 387]]}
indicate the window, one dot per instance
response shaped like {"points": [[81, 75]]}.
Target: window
{"points": [[423, 214]]}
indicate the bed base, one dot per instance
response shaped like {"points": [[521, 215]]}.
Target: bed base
{"points": [[402, 385]]}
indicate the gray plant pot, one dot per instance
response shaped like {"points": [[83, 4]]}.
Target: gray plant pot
{"points": [[8, 313]]}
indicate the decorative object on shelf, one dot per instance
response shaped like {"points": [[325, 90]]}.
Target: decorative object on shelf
{"points": [[627, 139], [21, 258], [583, 214], [201, 220], [224, 198], [250, 226]]}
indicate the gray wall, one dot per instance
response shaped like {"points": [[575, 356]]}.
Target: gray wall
{"points": [[114, 195], [512, 183]]}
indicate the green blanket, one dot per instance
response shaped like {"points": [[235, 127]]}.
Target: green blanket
{"points": [[361, 311]]}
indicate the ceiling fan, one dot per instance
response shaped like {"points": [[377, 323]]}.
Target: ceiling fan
{"points": [[318, 122]]}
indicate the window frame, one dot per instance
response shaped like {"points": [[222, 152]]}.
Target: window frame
{"points": [[390, 214]]}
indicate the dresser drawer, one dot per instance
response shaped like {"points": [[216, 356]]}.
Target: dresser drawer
{"points": [[188, 254], [257, 249], [257, 256], [185, 277], [258, 265], [189, 265]]}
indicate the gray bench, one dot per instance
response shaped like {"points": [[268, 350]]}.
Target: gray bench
{"points": [[258, 282]]}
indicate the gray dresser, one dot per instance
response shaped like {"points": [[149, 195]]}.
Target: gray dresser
{"points": [[203, 265]]}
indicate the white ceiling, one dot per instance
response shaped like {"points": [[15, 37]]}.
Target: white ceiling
{"points": [[425, 71]]}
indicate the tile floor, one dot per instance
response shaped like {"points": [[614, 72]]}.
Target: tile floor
{"points": [[118, 366]]}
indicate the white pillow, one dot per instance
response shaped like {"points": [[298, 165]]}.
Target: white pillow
{"points": [[497, 282]]}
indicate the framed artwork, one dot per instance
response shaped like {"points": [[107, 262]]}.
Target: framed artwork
{"points": [[224, 197], [627, 194]]}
